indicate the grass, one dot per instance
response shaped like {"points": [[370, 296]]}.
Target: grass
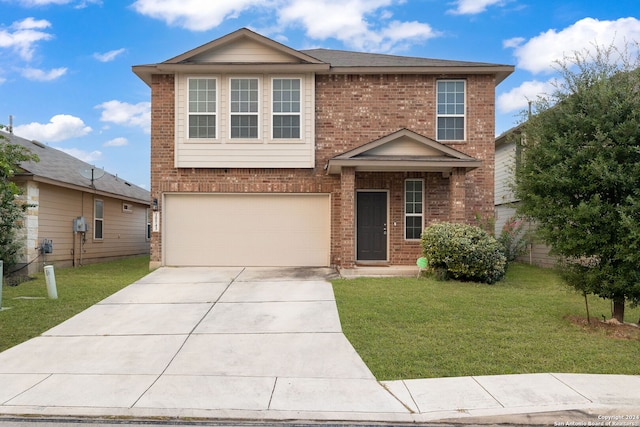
{"points": [[402, 327], [78, 289], [421, 328]]}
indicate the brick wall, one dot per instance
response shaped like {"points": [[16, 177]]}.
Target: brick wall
{"points": [[351, 110]]}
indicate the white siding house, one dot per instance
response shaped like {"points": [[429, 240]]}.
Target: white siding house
{"points": [[507, 153]]}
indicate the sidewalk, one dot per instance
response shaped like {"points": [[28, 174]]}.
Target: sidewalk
{"points": [[262, 344]]}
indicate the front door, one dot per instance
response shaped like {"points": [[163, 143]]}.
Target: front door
{"points": [[371, 219]]}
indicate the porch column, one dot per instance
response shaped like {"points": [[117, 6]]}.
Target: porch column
{"points": [[347, 230], [457, 194]]}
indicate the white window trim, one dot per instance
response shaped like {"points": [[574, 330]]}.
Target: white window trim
{"points": [[216, 114], [147, 228], [463, 115], [413, 215], [299, 113], [95, 219], [230, 113]]}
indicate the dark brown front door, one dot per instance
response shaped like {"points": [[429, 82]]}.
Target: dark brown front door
{"points": [[371, 217]]}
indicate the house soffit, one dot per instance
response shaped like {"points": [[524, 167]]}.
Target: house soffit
{"points": [[402, 151]]}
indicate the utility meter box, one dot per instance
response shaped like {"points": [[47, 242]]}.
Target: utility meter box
{"points": [[47, 246], [79, 225]]}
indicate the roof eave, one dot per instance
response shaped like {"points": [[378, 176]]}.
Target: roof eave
{"points": [[334, 166], [501, 72], [89, 189], [144, 72]]}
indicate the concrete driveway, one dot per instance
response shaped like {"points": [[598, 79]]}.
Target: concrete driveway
{"points": [[199, 342], [259, 344]]}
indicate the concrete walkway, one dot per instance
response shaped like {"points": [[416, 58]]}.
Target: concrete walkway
{"points": [[262, 344]]}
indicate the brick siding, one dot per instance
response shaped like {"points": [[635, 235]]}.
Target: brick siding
{"points": [[351, 110]]}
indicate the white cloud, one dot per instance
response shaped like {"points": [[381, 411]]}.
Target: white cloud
{"points": [[518, 98], [41, 75], [350, 21], [347, 21], [116, 142], [108, 56], [123, 113], [473, 7], [59, 128], [22, 36], [541, 53], [196, 15], [85, 156]]}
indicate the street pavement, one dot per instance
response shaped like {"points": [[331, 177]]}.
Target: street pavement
{"points": [[264, 345]]}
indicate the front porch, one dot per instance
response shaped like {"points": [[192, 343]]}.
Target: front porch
{"points": [[390, 189]]}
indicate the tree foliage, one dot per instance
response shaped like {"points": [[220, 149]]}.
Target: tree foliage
{"points": [[579, 178], [11, 210]]}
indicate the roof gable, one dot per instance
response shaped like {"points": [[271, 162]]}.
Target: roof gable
{"points": [[403, 150], [243, 46]]}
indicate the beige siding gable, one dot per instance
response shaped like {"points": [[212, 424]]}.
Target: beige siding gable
{"points": [[244, 51], [403, 146]]}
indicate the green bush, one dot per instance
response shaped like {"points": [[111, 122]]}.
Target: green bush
{"points": [[463, 252]]}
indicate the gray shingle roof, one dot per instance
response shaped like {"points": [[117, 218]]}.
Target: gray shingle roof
{"points": [[59, 166], [343, 58]]}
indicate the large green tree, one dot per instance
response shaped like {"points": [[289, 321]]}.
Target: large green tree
{"points": [[579, 176], [11, 210]]}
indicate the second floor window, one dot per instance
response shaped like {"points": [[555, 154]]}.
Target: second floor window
{"points": [[244, 109], [451, 110], [202, 108], [286, 108]]}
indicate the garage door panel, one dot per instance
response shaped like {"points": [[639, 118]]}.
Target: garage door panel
{"points": [[246, 229]]}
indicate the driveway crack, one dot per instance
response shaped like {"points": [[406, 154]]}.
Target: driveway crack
{"points": [[187, 337]]}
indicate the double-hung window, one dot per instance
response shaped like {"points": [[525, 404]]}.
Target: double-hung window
{"points": [[286, 108], [413, 208], [244, 107], [98, 219], [202, 107], [451, 110]]}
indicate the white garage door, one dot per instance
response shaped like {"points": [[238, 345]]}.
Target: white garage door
{"points": [[246, 229]]}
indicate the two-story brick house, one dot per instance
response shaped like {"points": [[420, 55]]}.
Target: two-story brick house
{"points": [[264, 155]]}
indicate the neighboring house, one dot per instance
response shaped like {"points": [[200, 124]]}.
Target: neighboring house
{"points": [[115, 213], [268, 156], [508, 154]]}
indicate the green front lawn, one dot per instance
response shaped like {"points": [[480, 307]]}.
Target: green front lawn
{"points": [[31, 313], [421, 328]]}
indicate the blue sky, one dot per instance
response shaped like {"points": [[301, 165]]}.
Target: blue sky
{"points": [[65, 65]]}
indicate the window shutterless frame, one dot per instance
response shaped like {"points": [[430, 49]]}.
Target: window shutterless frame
{"points": [[451, 110], [202, 108], [98, 219], [244, 108], [413, 208], [286, 108]]}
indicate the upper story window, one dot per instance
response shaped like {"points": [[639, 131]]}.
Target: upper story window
{"points": [[451, 110], [244, 103], [286, 108], [202, 108]]}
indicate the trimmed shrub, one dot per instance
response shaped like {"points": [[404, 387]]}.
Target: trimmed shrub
{"points": [[463, 252]]}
